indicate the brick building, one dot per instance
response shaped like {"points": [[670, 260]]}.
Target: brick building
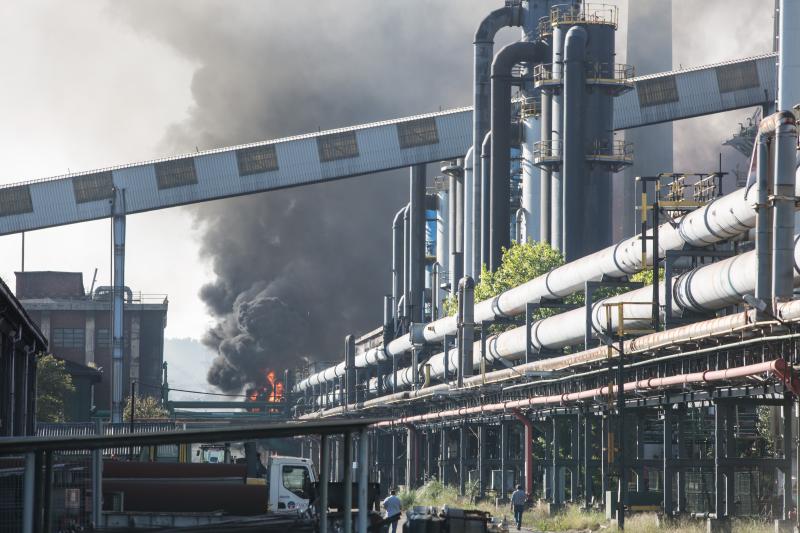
{"points": [[77, 325]]}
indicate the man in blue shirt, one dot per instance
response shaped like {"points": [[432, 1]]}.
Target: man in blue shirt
{"points": [[393, 508], [518, 499]]}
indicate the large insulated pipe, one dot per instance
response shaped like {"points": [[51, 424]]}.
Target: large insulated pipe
{"points": [[484, 53], [500, 179], [724, 218], [468, 240], [783, 207], [725, 325], [545, 175], [574, 158], [398, 270], [486, 159], [704, 289], [416, 266], [789, 55]]}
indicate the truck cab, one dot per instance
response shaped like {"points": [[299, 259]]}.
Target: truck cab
{"points": [[289, 484]]}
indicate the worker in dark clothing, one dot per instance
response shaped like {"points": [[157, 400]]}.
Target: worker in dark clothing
{"points": [[518, 499]]}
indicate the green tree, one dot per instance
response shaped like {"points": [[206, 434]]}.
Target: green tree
{"points": [[53, 384], [146, 407], [520, 263]]}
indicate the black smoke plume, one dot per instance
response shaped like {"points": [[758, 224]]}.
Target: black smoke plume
{"points": [[297, 270]]}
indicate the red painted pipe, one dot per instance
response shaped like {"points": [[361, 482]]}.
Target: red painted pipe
{"points": [[528, 450], [778, 367]]}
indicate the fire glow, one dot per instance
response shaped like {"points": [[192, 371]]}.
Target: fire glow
{"points": [[271, 392]]}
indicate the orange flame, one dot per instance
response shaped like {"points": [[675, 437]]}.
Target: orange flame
{"points": [[270, 393]]}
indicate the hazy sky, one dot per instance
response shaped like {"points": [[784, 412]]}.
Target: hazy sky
{"points": [[96, 83]]}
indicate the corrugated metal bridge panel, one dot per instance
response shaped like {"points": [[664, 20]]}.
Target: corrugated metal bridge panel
{"points": [[697, 93], [355, 151]]}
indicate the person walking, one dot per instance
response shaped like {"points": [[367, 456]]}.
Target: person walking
{"points": [[393, 508], [518, 499]]}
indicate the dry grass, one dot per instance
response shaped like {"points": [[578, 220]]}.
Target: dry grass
{"points": [[571, 519]]}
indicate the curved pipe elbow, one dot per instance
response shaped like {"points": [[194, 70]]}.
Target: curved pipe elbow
{"points": [[486, 145], [495, 21], [510, 55], [575, 44]]}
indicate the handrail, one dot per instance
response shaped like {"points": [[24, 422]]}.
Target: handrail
{"points": [[591, 13]]}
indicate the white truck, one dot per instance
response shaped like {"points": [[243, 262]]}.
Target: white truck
{"points": [[147, 494]]}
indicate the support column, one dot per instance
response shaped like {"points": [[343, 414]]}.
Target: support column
{"points": [[348, 481], [443, 456], [393, 480], [412, 466], [558, 487], [363, 480], [669, 507], [605, 467], [787, 456], [324, 472], [481, 459], [462, 451], [681, 454], [549, 477], [97, 481], [730, 454], [587, 459], [503, 457], [118, 306], [528, 450], [719, 468], [28, 493], [574, 457]]}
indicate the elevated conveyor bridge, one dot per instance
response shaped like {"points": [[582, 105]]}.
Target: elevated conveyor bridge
{"points": [[349, 152]]}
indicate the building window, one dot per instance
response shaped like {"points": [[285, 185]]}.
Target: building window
{"points": [[257, 159], [68, 338], [91, 187], [176, 173], [103, 339], [657, 91], [337, 146], [15, 200], [417, 132], [737, 76]]}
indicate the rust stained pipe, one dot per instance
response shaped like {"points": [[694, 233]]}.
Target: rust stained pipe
{"points": [[777, 367]]}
